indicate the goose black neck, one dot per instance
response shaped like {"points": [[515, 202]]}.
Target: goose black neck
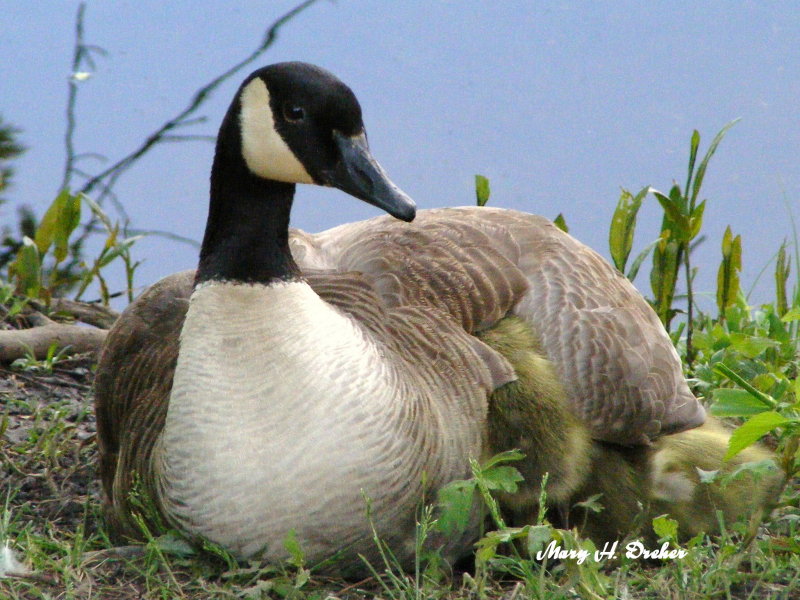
{"points": [[247, 233]]}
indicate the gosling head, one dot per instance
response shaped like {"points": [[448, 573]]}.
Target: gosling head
{"points": [[297, 123]]}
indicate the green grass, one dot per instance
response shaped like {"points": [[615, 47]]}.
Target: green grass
{"points": [[51, 519]]}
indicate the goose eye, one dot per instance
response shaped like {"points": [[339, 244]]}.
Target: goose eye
{"points": [[293, 113]]}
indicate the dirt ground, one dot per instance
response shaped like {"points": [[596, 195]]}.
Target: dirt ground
{"points": [[57, 405]]}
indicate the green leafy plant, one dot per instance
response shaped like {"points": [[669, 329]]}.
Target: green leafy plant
{"points": [[30, 363], [113, 248], [728, 275], [620, 236], [482, 191], [561, 223], [36, 271], [764, 414], [53, 232], [682, 222]]}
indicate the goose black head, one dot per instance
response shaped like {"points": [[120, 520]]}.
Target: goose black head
{"points": [[299, 124]]}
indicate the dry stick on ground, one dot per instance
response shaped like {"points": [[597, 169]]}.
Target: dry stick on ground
{"points": [[16, 343], [90, 313]]}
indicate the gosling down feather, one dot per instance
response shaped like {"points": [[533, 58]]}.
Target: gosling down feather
{"points": [[294, 377]]}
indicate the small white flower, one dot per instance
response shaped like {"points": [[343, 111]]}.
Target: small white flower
{"points": [[9, 565]]}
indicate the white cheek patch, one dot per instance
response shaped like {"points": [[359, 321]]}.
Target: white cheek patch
{"points": [[264, 150]]}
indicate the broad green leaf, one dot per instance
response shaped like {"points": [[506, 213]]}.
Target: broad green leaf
{"points": [[503, 457], [728, 273], [623, 225], [664, 274], [777, 385], [292, 546], [696, 220], [694, 144], [482, 190], [793, 314], [592, 503], [637, 263], [46, 232], [672, 211], [777, 329], [502, 478], [486, 551], [678, 199], [487, 545], [751, 345], [538, 537], [797, 391], [561, 223], [68, 220], [707, 477], [664, 527], [753, 430], [455, 500], [726, 371], [757, 470], [303, 577], [727, 239], [736, 403], [506, 535], [28, 269]]}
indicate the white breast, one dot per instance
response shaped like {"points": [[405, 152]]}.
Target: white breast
{"points": [[274, 418]]}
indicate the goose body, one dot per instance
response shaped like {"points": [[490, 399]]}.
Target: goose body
{"points": [[270, 447], [295, 378]]}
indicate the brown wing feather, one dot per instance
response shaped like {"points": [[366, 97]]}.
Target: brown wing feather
{"points": [[459, 270], [615, 360], [132, 386]]}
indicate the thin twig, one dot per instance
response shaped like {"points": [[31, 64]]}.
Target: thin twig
{"points": [[156, 233], [189, 138], [82, 53], [123, 552], [195, 103], [93, 314], [73, 96]]}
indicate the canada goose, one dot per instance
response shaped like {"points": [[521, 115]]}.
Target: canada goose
{"points": [[292, 374]]}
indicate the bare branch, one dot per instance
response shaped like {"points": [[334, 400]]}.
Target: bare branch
{"points": [[124, 552], [189, 138], [90, 313], [200, 96], [17, 343], [77, 56], [95, 155], [156, 233]]}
